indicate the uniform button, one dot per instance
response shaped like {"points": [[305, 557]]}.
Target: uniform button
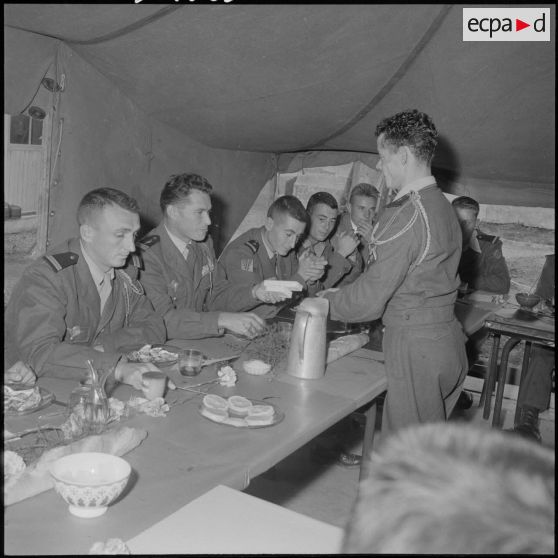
{"points": [[406, 316]]}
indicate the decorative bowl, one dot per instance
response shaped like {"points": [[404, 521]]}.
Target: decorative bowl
{"points": [[90, 481], [527, 300]]}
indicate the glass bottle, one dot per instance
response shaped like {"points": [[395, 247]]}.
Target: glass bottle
{"points": [[96, 404]]}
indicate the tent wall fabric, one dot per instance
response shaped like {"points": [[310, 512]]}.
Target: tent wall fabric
{"points": [[223, 89], [105, 139]]}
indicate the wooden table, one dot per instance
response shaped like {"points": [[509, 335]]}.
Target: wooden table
{"points": [[185, 454], [519, 326], [226, 521]]}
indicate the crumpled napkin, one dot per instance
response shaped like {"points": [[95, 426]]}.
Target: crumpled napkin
{"points": [[154, 407], [112, 546], [227, 376], [14, 466]]}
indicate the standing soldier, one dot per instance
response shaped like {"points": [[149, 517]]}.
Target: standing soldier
{"points": [[413, 281]]}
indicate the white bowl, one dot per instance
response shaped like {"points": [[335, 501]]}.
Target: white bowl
{"points": [[90, 481]]}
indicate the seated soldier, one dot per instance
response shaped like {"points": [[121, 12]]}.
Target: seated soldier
{"points": [[76, 303], [454, 489], [534, 390], [265, 253], [322, 209], [482, 265], [358, 222], [179, 265]]}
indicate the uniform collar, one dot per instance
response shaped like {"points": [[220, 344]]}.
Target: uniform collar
{"points": [[96, 272], [474, 242], [180, 244], [270, 251], [415, 186]]}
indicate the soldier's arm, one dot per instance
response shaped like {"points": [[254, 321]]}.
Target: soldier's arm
{"points": [[235, 278], [144, 324], [180, 322], [37, 330], [365, 299], [494, 275], [338, 267]]}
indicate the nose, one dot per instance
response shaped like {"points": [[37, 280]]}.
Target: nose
{"points": [[130, 244], [207, 219], [379, 165], [292, 242]]}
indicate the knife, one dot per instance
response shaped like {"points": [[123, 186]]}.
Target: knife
{"points": [[220, 359]]}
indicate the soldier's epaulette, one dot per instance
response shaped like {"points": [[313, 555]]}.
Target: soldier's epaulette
{"points": [[488, 238], [399, 202], [148, 241], [253, 245], [58, 262]]}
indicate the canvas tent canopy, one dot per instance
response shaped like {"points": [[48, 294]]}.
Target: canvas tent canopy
{"points": [[234, 92]]}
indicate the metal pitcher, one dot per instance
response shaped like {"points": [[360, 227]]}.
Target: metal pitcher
{"points": [[307, 353]]}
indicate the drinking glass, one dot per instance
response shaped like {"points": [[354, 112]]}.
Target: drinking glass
{"points": [[190, 362]]}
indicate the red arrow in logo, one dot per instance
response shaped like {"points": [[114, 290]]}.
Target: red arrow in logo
{"points": [[519, 25]]}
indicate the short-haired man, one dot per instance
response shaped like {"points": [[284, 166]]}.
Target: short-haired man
{"points": [[413, 281], [482, 265], [455, 489], [265, 253], [323, 212], [76, 303], [357, 222], [179, 264]]}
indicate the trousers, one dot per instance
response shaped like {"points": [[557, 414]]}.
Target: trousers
{"points": [[426, 366]]}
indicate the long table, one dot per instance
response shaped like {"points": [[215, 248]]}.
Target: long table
{"points": [[245, 525], [185, 454]]}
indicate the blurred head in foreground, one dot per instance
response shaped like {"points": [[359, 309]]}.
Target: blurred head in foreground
{"points": [[453, 488]]}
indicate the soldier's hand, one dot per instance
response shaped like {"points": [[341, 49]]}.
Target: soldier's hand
{"points": [[243, 323], [20, 373], [131, 373], [364, 229], [311, 267], [346, 244], [271, 297]]}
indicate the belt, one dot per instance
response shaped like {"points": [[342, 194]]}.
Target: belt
{"points": [[418, 316]]}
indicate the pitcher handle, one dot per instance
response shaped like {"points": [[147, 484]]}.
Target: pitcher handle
{"points": [[301, 345]]}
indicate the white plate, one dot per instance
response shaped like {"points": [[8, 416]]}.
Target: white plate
{"points": [[154, 360], [277, 417]]}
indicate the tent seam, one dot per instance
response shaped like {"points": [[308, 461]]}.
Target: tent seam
{"points": [[395, 78]]}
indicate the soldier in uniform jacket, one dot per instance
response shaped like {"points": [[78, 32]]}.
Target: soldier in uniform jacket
{"points": [[77, 303], [265, 253], [358, 222], [323, 212], [179, 265], [412, 283], [482, 265]]}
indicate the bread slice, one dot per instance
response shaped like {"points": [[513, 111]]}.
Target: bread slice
{"points": [[239, 406]]}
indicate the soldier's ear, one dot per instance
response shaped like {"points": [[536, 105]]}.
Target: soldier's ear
{"points": [[404, 154], [170, 211], [268, 223], [86, 232]]}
